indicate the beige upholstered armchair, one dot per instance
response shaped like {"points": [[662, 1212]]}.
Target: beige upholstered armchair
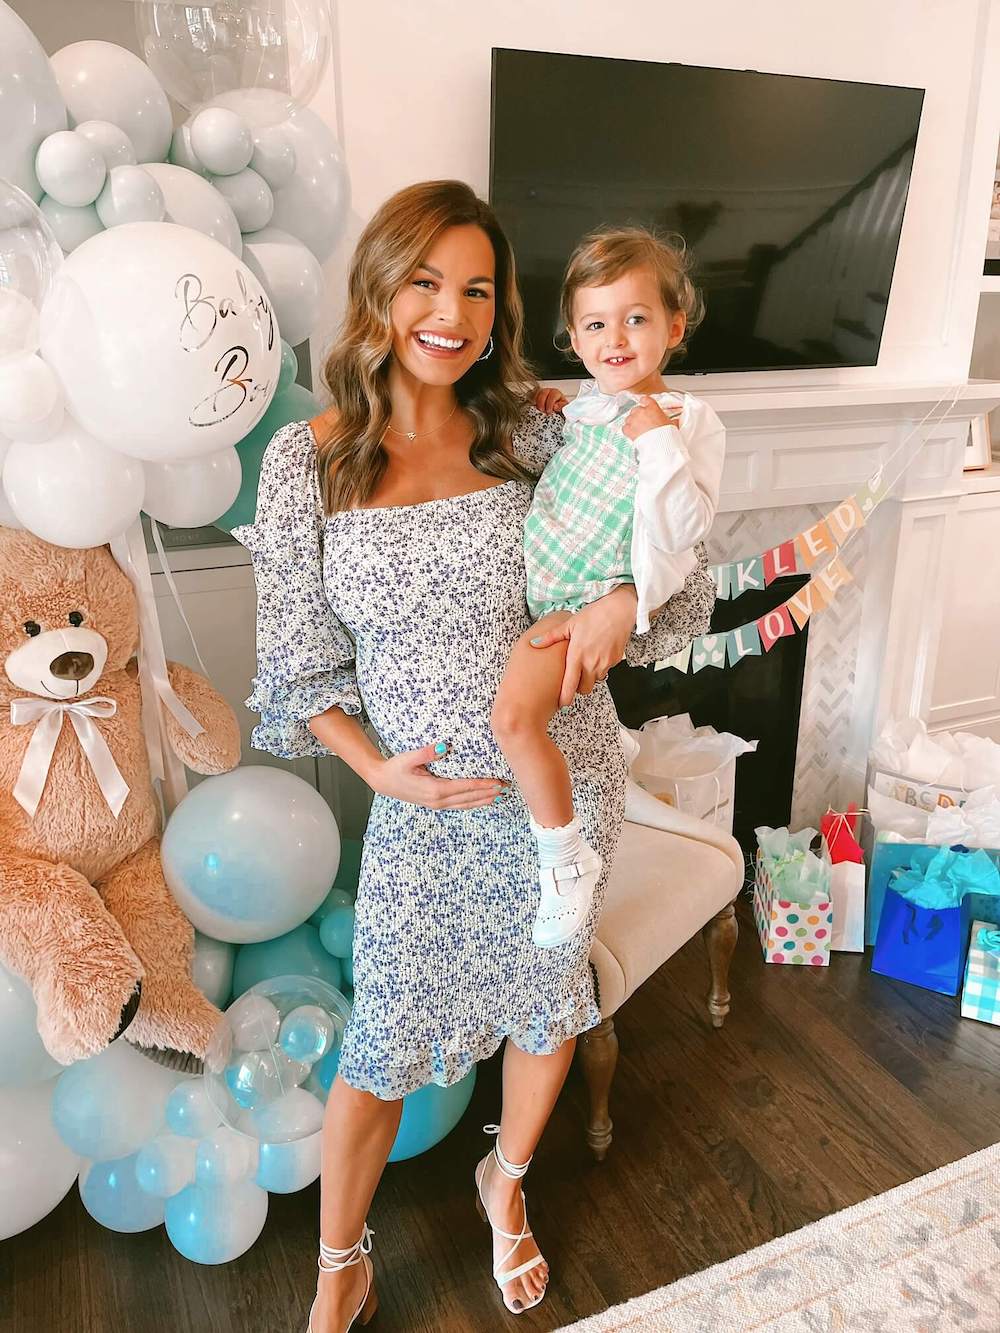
{"points": [[673, 875]]}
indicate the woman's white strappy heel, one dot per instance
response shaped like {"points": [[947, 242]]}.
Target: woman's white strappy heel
{"points": [[512, 1171], [335, 1261]]}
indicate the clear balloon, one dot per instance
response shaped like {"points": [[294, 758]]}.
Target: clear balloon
{"points": [[130, 194], [112, 1196], [36, 1166], [221, 140], [292, 277], [154, 295], [285, 1168], [31, 401], [70, 169], [29, 260], [189, 1111], [260, 1091], [192, 201], [33, 107], [300, 952], [101, 81], [113, 144], [23, 1058], [254, 1022], [109, 1105], [214, 1226], [70, 226], [307, 1033], [200, 51], [249, 196], [212, 969], [250, 854], [189, 492], [72, 491], [166, 1164]]}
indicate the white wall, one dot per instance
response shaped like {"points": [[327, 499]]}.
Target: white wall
{"points": [[414, 95]]}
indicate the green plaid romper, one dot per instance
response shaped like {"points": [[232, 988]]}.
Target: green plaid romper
{"points": [[578, 532]]}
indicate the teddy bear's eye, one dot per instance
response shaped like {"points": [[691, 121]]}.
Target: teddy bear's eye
{"points": [[31, 628], [75, 618]]}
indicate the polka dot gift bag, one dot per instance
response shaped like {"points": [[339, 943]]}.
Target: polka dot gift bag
{"points": [[791, 898]]}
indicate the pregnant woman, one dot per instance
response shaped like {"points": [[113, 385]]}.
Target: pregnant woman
{"points": [[391, 588]]}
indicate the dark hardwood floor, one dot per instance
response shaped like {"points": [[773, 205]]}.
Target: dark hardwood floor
{"points": [[823, 1088]]}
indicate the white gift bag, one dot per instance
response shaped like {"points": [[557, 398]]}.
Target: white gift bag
{"points": [[847, 893], [692, 768]]}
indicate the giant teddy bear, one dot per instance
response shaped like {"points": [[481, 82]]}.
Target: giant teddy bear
{"points": [[85, 915]]}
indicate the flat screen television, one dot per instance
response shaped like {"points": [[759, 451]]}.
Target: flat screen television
{"points": [[789, 192]]}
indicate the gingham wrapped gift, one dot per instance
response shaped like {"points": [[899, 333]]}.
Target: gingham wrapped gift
{"points": [[981, 992]]}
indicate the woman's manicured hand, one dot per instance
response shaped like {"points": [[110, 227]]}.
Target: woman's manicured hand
{"points": [[550, 401], [648, 416], [596, 637], [405, 777]]}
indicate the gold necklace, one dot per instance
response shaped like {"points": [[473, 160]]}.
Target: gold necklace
{"points": [[417, 434]]}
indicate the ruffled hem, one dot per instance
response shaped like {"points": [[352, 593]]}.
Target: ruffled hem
{"points": [[542, 1034]]}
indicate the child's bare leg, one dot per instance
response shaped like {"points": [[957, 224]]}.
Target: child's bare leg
{"points": [[526, 702]]}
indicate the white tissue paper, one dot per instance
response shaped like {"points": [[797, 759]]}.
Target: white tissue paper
{"points": [[956, 760], [692, 768]]}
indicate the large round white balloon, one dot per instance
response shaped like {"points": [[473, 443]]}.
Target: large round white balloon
{"points": [[101, 81], [31, 105], [313, 204], [31, 402], [164, 342], [70, 169], [23, 1058], [36, 1167], [71, 490], [8, 519], [109, 1105], [70, 226], [190, 492], [192, 201], [199, 51], [220, 139], [292, 277], [29, 259], [130, 195]]}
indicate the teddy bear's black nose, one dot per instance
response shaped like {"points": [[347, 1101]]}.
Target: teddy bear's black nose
{"points": [[72, 666]]}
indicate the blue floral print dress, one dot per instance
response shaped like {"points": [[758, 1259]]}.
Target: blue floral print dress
{"points": [[404, 616]]}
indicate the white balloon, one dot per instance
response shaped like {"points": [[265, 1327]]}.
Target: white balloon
{"points": [[295, 1115], [284, 1168], [181, 152], [165, 1164], [194, 202], [31, 401], [130, 195], [31, 105], [70, 169], [113, 144], [70, 226], [164, 342], [254, 1022], [23, 1058], [212, 965], [249, 196], [225, 1157], [8, 519], [273, 155], [36, 1167], [29, 259], [101, 81], [221, 140], [292, 277], [110, 1104], [71, 490], [189, 492]]}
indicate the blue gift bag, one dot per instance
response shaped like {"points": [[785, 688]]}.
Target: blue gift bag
{"points": [[922, 945]]}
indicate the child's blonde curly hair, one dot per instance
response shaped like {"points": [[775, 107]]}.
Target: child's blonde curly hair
{"points": [[604, 255]]}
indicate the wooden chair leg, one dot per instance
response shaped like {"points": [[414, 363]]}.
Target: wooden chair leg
{"points": [[598, 1051], [720, 939]]}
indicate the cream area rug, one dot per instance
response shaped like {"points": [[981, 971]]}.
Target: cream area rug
{"points": [[923, 1258]]}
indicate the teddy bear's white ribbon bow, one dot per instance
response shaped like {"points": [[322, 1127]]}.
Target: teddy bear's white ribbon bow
{"points": [[49, 715]]}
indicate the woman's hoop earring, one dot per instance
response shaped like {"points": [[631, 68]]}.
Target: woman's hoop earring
{"points": [[489, 351]]}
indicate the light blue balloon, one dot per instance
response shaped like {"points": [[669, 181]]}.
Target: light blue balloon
{"points": [[325, 1070], [429, 1114], [165, 1165], [23, 1058], [347, 971], [108, 1106], [337, 932], [335, 898], [299, 953], [307, 1033], [213, 1226], [112, 1196], [212, 968], [284, 1168], [289, 404]]}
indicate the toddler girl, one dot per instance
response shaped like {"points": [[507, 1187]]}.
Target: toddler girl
{"points": [[624, 500]]}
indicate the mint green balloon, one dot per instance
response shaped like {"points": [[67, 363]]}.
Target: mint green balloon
{"points": [[337, 931], [299, 953], [289, 404]]}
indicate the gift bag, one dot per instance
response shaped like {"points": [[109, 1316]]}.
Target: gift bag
{"points": [[847, 879], [692, 768], [791, 899], [981, 991]]}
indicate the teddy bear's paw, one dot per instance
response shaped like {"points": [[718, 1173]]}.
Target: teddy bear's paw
{"points": [[176, 1017], [77, 1020]]}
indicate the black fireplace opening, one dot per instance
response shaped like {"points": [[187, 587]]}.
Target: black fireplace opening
{"points": [[759, 698]]}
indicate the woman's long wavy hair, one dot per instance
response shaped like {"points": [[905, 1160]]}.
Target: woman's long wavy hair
{"points": [[351, 459]]}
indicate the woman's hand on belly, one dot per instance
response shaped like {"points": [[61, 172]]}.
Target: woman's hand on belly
{"points": [[405, 777], [597, 636]]}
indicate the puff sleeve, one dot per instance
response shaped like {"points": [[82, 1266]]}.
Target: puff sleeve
{"points": [[537, 437], [686, 615], [305, 657]]}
